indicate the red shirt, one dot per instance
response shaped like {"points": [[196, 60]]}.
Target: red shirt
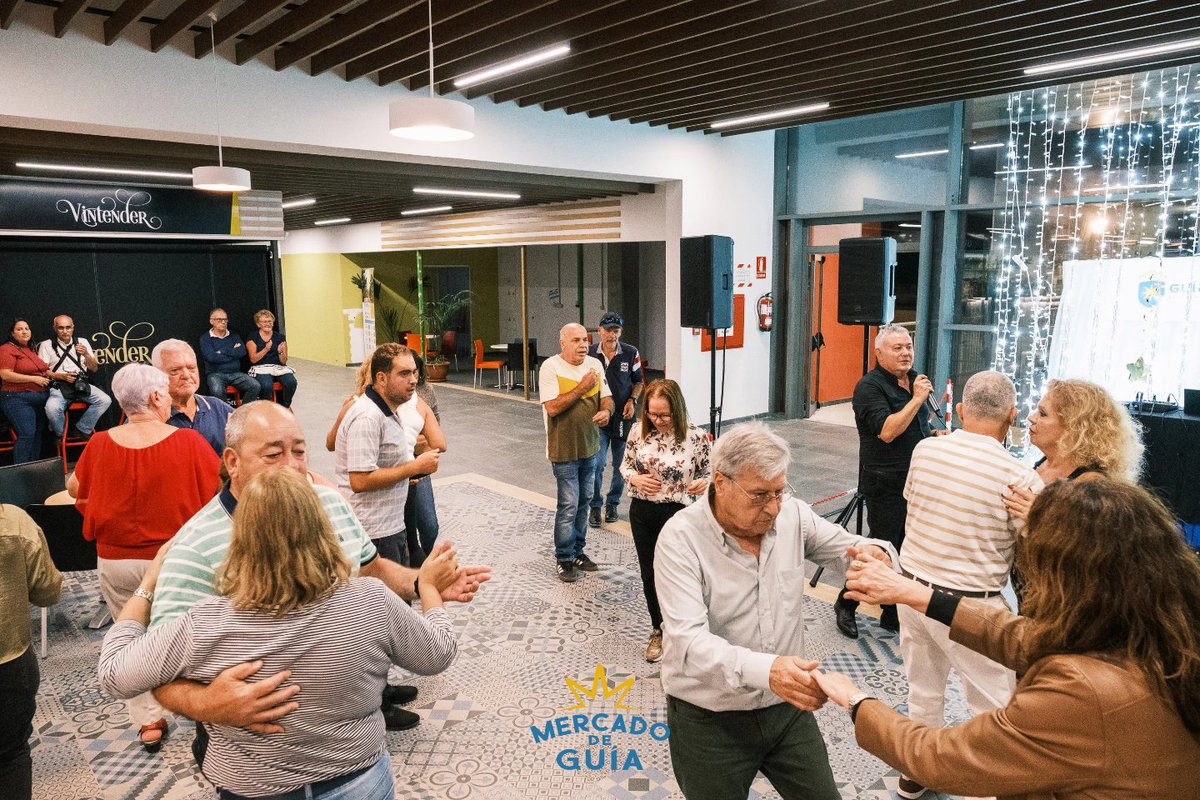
{"points": [[134, 499], [25, 361]]}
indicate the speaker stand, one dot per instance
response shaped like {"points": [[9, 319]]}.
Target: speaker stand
{"points": [[713, 408], [866, 349]]}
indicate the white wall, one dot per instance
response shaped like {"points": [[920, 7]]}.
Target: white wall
{"points": [[709, 184]]}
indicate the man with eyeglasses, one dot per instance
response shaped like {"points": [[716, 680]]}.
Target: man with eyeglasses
{"points": [[71, 355], [730, 579], [223, 351]]}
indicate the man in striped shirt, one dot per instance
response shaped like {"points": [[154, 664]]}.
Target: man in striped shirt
{"points": [[261, 436], [960, 539]]}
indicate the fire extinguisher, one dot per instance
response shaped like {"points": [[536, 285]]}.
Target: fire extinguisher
{"points": [[948, 403], [766, 314]]}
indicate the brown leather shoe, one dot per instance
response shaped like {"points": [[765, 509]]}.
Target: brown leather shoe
{"points": [[654, 651]]}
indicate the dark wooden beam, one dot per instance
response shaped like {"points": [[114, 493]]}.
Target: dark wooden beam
{"points": [[64, 14], [341, 28], [8, 10], [123, 17], [292, 23], [184, 15], [236, 21]]}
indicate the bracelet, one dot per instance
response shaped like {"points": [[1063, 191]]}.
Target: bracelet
{"points": [[147, 596]]}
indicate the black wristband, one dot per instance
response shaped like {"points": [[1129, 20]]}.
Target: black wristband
{"points": [[417, 586], [854, 708]]}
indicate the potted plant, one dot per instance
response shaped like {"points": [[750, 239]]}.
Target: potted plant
{"points": [[440, 315]]}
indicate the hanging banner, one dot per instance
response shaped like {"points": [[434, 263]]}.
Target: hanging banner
{"points": [[28, 204]]}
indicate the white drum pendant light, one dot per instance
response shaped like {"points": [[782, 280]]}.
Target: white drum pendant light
{"points": [[219, 178], [431, 119]]}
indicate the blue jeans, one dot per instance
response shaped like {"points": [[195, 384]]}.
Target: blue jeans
{"points": [[420, 521], [574, 494], [247, 387], [393, 547], [25, 411], [266, 387], [373, 783], [56, 411], [618, 482]]}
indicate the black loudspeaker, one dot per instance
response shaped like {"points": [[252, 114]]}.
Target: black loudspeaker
{"points": [[866, 281], [706, 282]]}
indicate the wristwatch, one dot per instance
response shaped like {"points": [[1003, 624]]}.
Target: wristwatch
{"points": [[855, 699], [140, 592]]}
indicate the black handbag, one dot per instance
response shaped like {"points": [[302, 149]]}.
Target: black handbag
{"points": [[81, 389]]}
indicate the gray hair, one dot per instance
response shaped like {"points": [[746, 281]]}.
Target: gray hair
{"points": [[169, 346], [134, 383], [989, 396], [235, 426], [751, 447], [890, 329], [562, 332]]}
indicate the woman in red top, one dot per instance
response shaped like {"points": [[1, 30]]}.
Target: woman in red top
{"points": [[26, 386], [136, 485]]}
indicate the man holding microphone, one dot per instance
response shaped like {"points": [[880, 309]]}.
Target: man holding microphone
{"points": [[887, 412]]}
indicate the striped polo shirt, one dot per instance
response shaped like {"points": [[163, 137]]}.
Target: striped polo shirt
{"points": [[202, 543], [959, 533]]}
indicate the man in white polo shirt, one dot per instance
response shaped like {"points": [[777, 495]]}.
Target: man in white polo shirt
{"points": [[960, 539]]}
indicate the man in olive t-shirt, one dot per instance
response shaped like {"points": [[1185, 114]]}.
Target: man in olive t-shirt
{"points": [[575, 399]]}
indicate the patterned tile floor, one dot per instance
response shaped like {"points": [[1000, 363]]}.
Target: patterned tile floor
{"points": [[520, 641]]}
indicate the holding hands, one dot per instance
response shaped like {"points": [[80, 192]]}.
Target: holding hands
{"points": [[871, 579], [794, 680], [1018, 501]]}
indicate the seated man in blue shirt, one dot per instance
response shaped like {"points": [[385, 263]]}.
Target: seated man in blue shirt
{"points": [[205, 415], [222, 351]]}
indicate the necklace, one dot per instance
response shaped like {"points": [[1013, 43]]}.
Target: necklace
{"points": [[140, 421]]}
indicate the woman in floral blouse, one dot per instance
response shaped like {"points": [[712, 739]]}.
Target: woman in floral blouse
{"points": [[666, 466]]}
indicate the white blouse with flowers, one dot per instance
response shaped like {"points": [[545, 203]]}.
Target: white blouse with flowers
{"points": [[675, 463]]}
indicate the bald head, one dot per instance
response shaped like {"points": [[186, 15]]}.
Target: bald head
{"points": [[574, 340], [261, 436]]}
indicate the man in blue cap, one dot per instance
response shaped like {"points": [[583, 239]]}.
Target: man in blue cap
{"points": [[623, 367]]}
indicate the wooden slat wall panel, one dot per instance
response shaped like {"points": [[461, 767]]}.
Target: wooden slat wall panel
{"points": [[590, 221]]}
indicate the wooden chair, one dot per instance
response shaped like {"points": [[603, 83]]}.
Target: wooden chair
{"points": [[68, 441], [70, 552], [481, 365], [450, 347]]}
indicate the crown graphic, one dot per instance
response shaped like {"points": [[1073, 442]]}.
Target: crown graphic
{"points": [[600, 689]]}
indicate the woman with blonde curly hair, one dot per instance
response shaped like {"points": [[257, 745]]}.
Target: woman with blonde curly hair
{"points": [[1082, 432]]}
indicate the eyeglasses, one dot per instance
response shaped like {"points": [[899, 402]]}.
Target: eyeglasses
{"points": [[659, 417], [760, 499], [218, 319]]}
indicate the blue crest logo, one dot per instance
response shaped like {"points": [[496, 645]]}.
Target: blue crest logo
{"points": [[1150, 292]]}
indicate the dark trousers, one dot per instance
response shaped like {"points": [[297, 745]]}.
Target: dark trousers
{"points": [[887, 511], [26, 412], [716, 754], [266, 387], [393, 547], [646, 519], [18, 694]]}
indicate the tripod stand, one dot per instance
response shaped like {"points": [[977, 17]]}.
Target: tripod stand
{"points": [[853, 509]]}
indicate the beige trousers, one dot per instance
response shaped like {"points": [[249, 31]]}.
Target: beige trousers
{"points": [[118, 580]]}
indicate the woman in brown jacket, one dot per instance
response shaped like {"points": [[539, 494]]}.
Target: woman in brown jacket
{"points": [[1108, 700]]}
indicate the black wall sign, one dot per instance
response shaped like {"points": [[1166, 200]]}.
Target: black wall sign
{"points": [[48, 205]]}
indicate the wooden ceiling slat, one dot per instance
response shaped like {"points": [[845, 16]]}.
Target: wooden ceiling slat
{"points": [[292, 23], [236, 21], [8, 10], [122, 17], [341, 28], [857, 65], [64, 14], [184, 15]]}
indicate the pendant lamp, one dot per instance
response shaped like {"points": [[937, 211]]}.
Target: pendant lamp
{"points": [[431, 119], [219, 178]]}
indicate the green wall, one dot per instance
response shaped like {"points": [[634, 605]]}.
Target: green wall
{"points": [[316, 289]]}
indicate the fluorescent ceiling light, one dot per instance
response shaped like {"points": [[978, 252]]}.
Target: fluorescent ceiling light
{"points": [[909, 225], [987, 146], [308, 201], [1042, 169], [336, 221], [1120, 55], [427, 210], [137, 173], [787, 112], [540, 57], [468, 193], [1123, 187], [923, 153]]}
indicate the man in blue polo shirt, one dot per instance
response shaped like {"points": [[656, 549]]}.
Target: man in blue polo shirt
{"points": [[205, 415], [623, 368]]}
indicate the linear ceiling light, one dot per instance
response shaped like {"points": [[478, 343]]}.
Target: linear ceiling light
{"points": [[335, 221], [909, 225], [427, 210], [923, 153], [468, 193], [1123, 187], [1120, 55], [308, 201], [787, 112], [137, 173], [987, 146], [516, 64], [431, 119]]}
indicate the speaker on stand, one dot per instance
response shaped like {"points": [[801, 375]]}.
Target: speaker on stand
{"points": [[706, 296]]}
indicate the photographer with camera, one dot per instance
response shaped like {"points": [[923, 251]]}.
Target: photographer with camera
{"points": [[71, 359]]}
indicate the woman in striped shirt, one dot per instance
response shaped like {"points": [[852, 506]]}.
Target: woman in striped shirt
{"points": [[289, 599]]}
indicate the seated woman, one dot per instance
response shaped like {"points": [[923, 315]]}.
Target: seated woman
{"points": [[289, 598], [1082, 433], [136, 484], [268, 352], [1107, 703]]}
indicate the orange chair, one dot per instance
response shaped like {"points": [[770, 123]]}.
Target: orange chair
{"points": [[233, 394], [413, 341], [481, 365], [68, 441]]}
